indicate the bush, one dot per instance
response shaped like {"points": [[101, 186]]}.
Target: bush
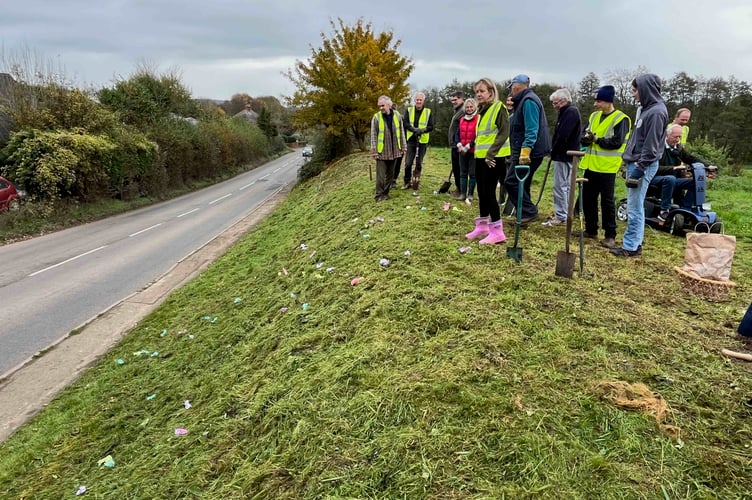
{"points": [[709, 152], [331, 148]]}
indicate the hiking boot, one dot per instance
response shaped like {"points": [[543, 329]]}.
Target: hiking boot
{"points": [[527, 220], [609, 243], [623, 252]]}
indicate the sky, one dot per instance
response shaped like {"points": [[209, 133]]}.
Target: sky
{"points": [[224, 47]]}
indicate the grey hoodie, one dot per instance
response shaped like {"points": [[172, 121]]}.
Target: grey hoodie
{"points": [[646, 143]]}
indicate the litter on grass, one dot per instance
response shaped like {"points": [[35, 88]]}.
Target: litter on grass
{"points": [[319, 265], [142, 351], [283, 310], [210, 319], [151, 396], [303, 246], [330, 269], [120, 362], [366, 235], [155, 354], [379, 219], [187, 404], [305, 306], [107, 461], [180, 431], [407, 252], [164, 332], [424, 209], [447, 206], [385, 262], [355, 281], [284, 271], [464, 249], [80, 491], [237, 300]]}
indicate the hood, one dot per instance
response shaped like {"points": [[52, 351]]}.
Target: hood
{"points": [[649, 87]]}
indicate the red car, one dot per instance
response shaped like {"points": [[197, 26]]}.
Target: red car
{"points": [[10, 197]]}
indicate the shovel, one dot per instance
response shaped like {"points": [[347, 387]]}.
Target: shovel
{"points": [[521, 172], [565, 260], [580, 182]]}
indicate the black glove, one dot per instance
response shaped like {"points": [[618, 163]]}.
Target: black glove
{"points": [[587, 138]]}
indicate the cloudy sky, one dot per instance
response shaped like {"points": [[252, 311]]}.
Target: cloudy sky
{"points": [[223, 47]]}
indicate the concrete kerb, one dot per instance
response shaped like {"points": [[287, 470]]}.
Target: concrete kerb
{"points": [[27, 388]]}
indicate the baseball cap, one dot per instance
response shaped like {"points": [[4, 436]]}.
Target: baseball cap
{"points": [[524, 79]]}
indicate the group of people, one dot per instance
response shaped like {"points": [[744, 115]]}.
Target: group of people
{"points": [[489, 137]]}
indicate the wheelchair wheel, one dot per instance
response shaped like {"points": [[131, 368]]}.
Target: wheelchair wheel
{"points": [[621, 211], [677, 225]]}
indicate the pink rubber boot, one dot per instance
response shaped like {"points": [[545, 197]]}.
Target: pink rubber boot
{"points": [[481, 228], [495, 233]]}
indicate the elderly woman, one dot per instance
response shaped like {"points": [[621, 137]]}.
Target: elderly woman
{"points": [[491, 148], [466, 149]]}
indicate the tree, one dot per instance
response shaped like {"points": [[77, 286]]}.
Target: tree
{"points": [[265, 123], [338, 86], [681, 89], [586, 90]]}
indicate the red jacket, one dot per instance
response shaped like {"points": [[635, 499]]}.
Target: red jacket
{"points": [[467, 131]]}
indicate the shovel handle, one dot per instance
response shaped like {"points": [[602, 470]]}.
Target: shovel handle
{"points": [[738, 355]]}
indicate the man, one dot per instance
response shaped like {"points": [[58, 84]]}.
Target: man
{"points": [[605, 138], [457, 99], [566, 138], [671, 164], [387, 144], [529, 141], [418, 124], [643, 151], [682, 118]]}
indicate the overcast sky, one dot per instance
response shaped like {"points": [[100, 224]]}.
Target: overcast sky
{"points": [[223, 47]]}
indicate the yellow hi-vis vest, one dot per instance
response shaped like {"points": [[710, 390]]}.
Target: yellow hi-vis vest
{"points": [[397, 131], [485, 132], [422, 123], [596, 158]]}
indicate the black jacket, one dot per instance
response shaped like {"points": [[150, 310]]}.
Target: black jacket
{"points": [[566, 133]]}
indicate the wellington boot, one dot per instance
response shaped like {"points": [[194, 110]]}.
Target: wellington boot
{"points": [[481, 228], [495, 234]]}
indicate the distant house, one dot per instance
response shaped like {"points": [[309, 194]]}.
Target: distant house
{"points": [[247, 114]]}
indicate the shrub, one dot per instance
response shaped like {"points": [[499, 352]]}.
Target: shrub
{"points": [[709, 152]]}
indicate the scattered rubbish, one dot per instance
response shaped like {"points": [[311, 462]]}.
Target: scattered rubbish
{"points": [[417, 199], [435, 193], [180, 431], [80, 491], [447, 206], [354, 219], [464, 249], [455, 209], [187, 404], [305, 306], [355, 281], [144, 422], [107, 461], [407, 252], [366, 235], [151, 396], [155, 354], [312, 254], [120, 361], [292, 295], [371, 222], [284, 271], [303, 246], [379, 219], [164, 332], [142, 351], [408, 207], [184, 330], [330, 269], [237, 300], [319, 265], [190, 337], [424, 209], [385, 262], [283, 310]]}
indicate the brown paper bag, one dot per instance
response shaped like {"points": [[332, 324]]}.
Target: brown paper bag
{"points": [[709, 255]]}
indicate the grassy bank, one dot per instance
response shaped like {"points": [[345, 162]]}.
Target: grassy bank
{"points": [[439, 375]]}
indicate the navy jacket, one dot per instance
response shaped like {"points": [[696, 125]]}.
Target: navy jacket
{"points": [[566, 133]]}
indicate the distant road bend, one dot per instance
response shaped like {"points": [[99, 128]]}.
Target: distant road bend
{"points": [[54, 283]]}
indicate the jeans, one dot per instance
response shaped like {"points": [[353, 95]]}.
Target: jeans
{"points": [[672, 187], [562, 180], [415, 151], [635, 232]]}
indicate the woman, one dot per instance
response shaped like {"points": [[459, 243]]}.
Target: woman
{"points": [[466, 150], [491, 146]]}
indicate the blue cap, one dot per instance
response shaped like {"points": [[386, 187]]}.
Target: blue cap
{"points": [[524, 79]]}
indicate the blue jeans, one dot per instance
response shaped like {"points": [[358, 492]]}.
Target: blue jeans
{"points": [[635, 232], [671, 184]]}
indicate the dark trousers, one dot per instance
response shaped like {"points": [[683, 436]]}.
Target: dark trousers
{"points": [[397, 165], [599, 184], [384, 177], [415, 151], [487, 179], [512, 187], [456, 167]]}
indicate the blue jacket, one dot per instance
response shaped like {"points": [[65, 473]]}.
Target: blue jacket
{"points": [[528, 127]]}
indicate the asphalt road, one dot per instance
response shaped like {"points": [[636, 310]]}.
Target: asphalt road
{"points": [[53, 284]]}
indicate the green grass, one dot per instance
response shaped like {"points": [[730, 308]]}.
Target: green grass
{"points": [[440, 376]]}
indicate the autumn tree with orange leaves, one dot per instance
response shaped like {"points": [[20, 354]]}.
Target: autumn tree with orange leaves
{"points": [[338, 86]]}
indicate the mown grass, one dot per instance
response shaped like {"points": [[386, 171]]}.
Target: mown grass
{"points": [[442, 375]]}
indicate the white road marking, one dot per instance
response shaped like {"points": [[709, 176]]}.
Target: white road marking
{"points": [[248, 185], [186, 213], [144, 230], [220, 199], [264, 176], [66, 261], [280, 168]]}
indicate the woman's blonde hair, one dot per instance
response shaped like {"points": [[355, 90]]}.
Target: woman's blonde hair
{"points": [[490, 85]]}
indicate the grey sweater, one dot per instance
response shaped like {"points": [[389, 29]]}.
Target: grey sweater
{"points": [[648, 137]]}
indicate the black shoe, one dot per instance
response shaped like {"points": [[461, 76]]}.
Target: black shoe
{"points": [[585, 234], [623, 252], [663, 216], [406, 186], [527, 220]]}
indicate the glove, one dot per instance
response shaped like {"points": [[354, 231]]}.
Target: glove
{"points": [[459, 145], [525, 156], [587, 138]]}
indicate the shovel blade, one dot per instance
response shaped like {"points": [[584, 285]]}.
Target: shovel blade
{"points": [[565, 264], [515, 253]]}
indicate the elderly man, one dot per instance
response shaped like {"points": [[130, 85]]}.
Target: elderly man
{"points": [[682, 118], [674, 158], [529, 142], [605, 139], [457, 99], [387, 144], [418, 124], [566, 138], [643, 151]]}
